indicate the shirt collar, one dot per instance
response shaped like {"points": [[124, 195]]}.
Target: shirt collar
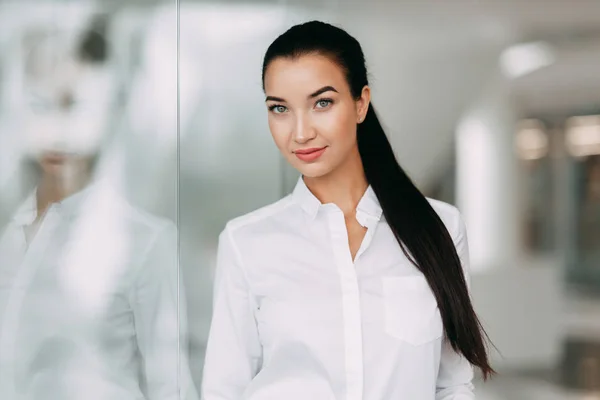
{"points": [[368, 204], [27, 212], [304, 197]]}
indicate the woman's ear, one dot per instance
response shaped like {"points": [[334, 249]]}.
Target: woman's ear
{"points": [[362, 104]]}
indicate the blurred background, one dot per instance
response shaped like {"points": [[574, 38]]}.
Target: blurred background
{"points": [[491, 105]]}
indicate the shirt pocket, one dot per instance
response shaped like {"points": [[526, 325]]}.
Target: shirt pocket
{"points": [[411, 313]]}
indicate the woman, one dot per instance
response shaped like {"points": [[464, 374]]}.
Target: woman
{"points": [[88, 283], [355, 286]]}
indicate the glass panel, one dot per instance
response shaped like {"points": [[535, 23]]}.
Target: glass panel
{"points": [[88, 201]]}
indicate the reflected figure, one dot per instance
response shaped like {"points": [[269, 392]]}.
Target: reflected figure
{"points": [[355, 286], [89, 287]]}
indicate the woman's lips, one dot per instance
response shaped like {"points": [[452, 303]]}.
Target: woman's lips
{"points": [[311, 154]]}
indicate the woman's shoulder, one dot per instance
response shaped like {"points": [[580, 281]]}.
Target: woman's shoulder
{"points": [[450, 216], [119, 212], [260, 217]]}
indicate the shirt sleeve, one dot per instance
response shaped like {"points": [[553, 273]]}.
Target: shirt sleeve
{"points": [[234, 352], [160, 321], [455, 375]]}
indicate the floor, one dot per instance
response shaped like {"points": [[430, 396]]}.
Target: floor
{"points": [[525, 388]]}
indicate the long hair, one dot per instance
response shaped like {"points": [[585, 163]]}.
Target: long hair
{"points": [[420, 232]]}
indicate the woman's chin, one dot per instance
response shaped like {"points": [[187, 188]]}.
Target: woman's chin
{"points": [[313, 170]]}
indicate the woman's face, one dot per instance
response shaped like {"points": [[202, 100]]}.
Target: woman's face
{"points": [[66, 107], [312, 113], [66, 119]]}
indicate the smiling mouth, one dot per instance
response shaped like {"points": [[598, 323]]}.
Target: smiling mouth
{"points": [[308, 155], [55, 158], [309, 151]]}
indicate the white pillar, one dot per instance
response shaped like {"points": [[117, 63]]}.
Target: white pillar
{"points": [[487, 177]]}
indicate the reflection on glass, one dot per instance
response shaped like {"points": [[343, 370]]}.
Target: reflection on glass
{"points": [[88, 283]]}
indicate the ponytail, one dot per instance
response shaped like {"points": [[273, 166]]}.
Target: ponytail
{"points": [[424, 239]]}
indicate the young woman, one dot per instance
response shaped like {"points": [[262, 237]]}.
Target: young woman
{"points": [[88, 283], [355, 286]]}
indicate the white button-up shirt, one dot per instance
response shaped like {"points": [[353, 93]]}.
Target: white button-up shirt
{"points": [[295, 318], [88, 304]]}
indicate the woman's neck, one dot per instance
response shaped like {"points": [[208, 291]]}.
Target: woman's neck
{"points": [[344, 187], [54, 189]]}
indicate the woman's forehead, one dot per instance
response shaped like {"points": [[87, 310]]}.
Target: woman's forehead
{"points": [[303, 74]]}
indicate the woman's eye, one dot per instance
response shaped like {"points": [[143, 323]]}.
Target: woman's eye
{"points": [[278, 109], [323, 103]]}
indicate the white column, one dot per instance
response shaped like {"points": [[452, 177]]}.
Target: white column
{"points": [[487, 181]]}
